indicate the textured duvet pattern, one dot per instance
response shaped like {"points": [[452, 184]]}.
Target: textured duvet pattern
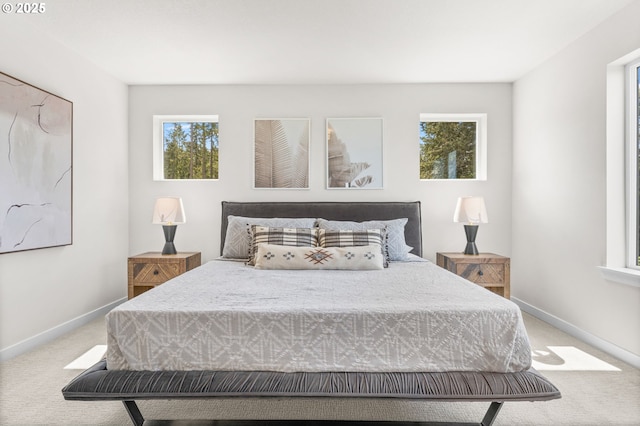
{"points": [[224, 315]]}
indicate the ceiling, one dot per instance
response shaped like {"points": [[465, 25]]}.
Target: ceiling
{"points": [[318, 41]]}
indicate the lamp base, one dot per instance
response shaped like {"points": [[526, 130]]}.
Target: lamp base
{"points": [[169, 234], [471, 231]]}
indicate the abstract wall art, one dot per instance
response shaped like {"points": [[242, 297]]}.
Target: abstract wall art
{"points": [[36, 173], [354, 153], [281, 153]]}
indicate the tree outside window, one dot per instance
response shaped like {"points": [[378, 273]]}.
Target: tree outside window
{"points": [[452, 146], [185, 147]]}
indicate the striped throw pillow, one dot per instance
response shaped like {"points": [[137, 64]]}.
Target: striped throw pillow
{"points": [[293, 237], [349, 238]]}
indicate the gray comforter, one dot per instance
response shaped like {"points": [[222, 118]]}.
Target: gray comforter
{"points": [[224, 315]]}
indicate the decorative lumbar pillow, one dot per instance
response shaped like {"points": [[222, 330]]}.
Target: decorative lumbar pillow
{"points": [[269, 256], [348, 238], [237, 239], [397, 247], [290, 237]]}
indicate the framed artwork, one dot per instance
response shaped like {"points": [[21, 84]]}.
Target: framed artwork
{"points": [[281, 153], [354, 153], [36, 138]]}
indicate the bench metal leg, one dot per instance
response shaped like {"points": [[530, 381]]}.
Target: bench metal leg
{"points": [[134, 412], [491, 413], [489, 418]]}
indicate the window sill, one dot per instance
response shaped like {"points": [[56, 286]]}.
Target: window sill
{"points": [[621, 275]]}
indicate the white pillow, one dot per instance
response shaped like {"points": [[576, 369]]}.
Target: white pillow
{"points": [[270, 256], [397, 247], [238, 238]]}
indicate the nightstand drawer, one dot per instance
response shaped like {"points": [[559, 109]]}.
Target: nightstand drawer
{"points": [[488, 270], [149, 270], [483, 273], [154, 273]]}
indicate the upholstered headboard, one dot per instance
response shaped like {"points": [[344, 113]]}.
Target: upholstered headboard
{"points": [[355, 211]]}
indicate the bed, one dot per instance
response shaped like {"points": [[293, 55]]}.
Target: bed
{"points": [[410, 330]]}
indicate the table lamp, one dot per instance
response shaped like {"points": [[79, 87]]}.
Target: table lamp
{"points": [[169, 212], [471, 211]]}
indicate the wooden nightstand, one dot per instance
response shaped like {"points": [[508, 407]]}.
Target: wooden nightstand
{"points": [[489, 270], [148, 270]]}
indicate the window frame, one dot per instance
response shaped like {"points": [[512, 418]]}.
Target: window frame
{"points": [[481, 140], [616, 268], [632, 225], [158, 141]]}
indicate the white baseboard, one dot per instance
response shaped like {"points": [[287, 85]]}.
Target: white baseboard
{"points": [[588, 338], [55, 332]]}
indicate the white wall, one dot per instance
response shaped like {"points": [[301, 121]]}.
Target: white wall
{"points": [[559, 199], [558, 187], [41, 290], [399, 106]]}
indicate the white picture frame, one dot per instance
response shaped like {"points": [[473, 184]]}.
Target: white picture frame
{"points": [[354, 151], [281, 153]]}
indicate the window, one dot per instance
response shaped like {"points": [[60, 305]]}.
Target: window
{"points": [[453, 146], [633, 163], [622, 242], [185, 147]]}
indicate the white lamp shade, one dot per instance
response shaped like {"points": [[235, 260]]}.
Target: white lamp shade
{"points": [[471, 210], [168, 211]]}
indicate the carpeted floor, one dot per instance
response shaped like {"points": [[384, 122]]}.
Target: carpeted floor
{"points": [[597, 390]]}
